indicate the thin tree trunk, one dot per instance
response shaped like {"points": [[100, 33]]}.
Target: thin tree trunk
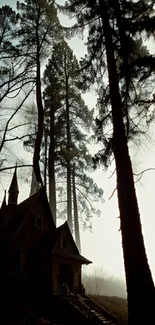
{"points": [[69, 173], [45, 159], [39, 136], [140, 287], [76, 217], [69, 197], [51, 167]]}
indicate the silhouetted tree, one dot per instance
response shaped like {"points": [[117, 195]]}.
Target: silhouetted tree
{"points": [[106, 51], [39, 26], [70, 120]]}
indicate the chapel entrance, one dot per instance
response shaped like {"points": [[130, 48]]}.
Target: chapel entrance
{"points": [[66, 276]]}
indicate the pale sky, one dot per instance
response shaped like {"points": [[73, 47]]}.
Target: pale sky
{"points": [[103, 246]]}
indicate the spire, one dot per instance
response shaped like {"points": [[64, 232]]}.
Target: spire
{"points": [[13, 190], [34, 184], [3, 206], [3, 211]]}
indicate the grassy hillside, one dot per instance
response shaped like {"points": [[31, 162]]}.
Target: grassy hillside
{"points": [[115, 305]]}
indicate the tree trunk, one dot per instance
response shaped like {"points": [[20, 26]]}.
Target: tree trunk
{"points": [[69, 197], [51, 167], [45, 159], [125, 56], [140, 287], [76, 217], [69, 173], [39, 136]]}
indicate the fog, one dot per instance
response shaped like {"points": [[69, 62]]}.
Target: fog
{"points": [[99, 283]]}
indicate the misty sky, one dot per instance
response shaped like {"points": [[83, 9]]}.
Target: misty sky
{"points": [[103, 246]]}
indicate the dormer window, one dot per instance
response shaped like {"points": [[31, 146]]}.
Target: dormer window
{"points": [[38, 221]]}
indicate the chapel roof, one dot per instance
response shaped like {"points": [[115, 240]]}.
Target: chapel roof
{"points": [[3, 210], [73, 256], [66, 253], [17, 214], [14, 183], [20, 211]]}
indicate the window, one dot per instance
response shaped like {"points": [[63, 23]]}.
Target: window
{"points": [[64, 242], [38, 221]]}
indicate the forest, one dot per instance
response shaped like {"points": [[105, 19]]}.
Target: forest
{"points": [[41, 100]]}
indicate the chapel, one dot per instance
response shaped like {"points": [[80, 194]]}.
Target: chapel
{"points": [[36, 257]]}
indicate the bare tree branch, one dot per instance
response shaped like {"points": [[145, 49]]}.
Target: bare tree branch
{"points": [[19, 138], [142, 173], [11, 117], [18, 126], [113, 192], [11, 89], [138, 174], [112, 173], [12, 167]]}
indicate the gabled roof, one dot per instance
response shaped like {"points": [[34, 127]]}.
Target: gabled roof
{"points": [[22, 210], [28, 204], [76, 256], [59, 232], [72, 256], [18, 215]]}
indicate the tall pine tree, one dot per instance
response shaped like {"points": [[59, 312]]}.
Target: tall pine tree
{"points": [[109, 45], [71, 122], [39, 27]]}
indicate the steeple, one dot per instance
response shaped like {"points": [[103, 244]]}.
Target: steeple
{"points": [[3, 206], [3, 211], [4, 201], [13, 190], [34, 184]]}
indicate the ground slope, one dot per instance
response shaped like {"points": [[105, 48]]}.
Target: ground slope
{"points": [[115, 305]]}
